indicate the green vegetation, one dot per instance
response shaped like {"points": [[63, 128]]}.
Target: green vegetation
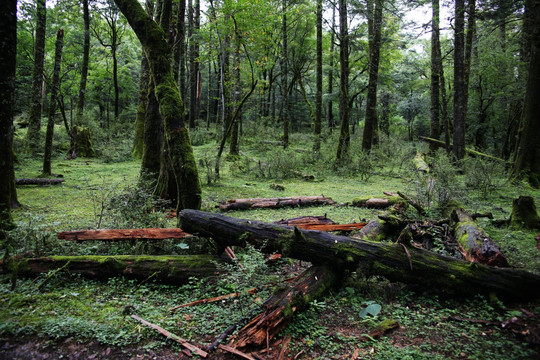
{"points": [[98, 193]]}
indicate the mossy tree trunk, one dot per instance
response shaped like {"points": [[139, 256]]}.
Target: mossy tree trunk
{"points": [[524, 214], [55, 85], [415, 266], [84, 65], [142, 101], [8, 52], [435, 77], [180, 156], [36, 99]]}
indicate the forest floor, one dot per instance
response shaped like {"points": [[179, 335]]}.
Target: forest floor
{"points": [[67, 316]]}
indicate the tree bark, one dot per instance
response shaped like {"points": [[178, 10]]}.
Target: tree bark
{"points": [[176, 269], [527, 160], [55, 86], [8, 57], [84, 65], [123, 234], [275, 203], [459, 80], [344, 134], [370, 136], [435, 75], [36, 99], [142, 102], [181, 158], [414, 266]]}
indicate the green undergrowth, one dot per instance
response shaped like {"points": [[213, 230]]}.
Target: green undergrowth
{"points": [[100, 193]]}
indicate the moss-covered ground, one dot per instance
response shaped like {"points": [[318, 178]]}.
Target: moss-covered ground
{"points": [[58, 314]]}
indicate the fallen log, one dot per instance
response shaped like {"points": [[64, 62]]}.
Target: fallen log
{"points": [[306, 220], [377, 203], [38, 181], [470, 152], [475, 245], [176, 269], [123, 234], [279, 309], [275, 203], [320, 223], [172, 336], [429, 270]]}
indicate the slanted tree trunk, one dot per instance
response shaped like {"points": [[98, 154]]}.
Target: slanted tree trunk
{"points": [[84, 65], [459, 80], [415, 266], [177, 269], [371, 127], [55, 86], [527, 160], [36, 98], [180, 157], [435, 75], [8, 57], [319, 75], [344, 134]]}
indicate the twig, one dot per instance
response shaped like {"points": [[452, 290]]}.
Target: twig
{"points": [[413, 203], [172, 336], [283, 351], [50, 276], [214, 299], [408, 254], [232, 256], [235, 352]]}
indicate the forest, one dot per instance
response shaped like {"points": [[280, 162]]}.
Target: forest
{"points": [[269, 179]]}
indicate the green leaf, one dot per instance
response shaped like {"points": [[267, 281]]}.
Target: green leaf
{"points": [[371, 309]]}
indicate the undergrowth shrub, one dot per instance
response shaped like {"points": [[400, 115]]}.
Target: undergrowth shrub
{"points": [[484, 175]]}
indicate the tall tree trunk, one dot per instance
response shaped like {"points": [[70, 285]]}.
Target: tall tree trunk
{"points": [[181, 158], [469, 43], [8, 57], [114, 49], [55, 85], [233, 145], [84, 65], [179, 53], [284, 82], [527, 163], [329, 110], [459, 80], [142, 102], [370, 136], [319, 75], [194, 19], [435, 75], [36, 99], [344, 134]]}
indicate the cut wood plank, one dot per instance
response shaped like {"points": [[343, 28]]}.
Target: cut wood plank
{"points": [[38, 181], [172, 336], [177, 269], [123, 234], [430, 270], [275, 203]]}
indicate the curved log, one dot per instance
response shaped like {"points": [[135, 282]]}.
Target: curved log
{"points": [[429, 270]]}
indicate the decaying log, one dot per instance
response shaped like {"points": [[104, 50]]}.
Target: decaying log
{"points": [[429, 270], [378, 203], [172, 336], [169, 269], [38, 181], [334, 227], [475, 245], [470, 152], [123, 234], [307, 220], [524, 213], [280, 307], [275, 203]]}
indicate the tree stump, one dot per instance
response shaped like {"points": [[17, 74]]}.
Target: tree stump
{"points": [[524, 213]]}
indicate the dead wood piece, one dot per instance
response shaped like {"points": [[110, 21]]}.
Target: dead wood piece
{"points": [[332, 227], [413, 203], [384, 327], [123, 234], [430, 270], [214, 299], [280, 307], [38, 181], [284, 348], [307, 220], [235, 352], [488, 215], [470, 152], [474, 243], [377, 203], [275, 203], [168, 269], [172, 336]]}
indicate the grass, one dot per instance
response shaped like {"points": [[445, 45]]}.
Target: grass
{"points": [[71, 307]]}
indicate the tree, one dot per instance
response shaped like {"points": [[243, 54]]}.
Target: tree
{"points": [[527, 163], [330, 88], [370, 136], [194, 73], [52, 106], [36, 99], [284, 82], [344, 134], [459, 80], [8, 56], [319, 75], [435, 74], [180, 153], [84, 65]]}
